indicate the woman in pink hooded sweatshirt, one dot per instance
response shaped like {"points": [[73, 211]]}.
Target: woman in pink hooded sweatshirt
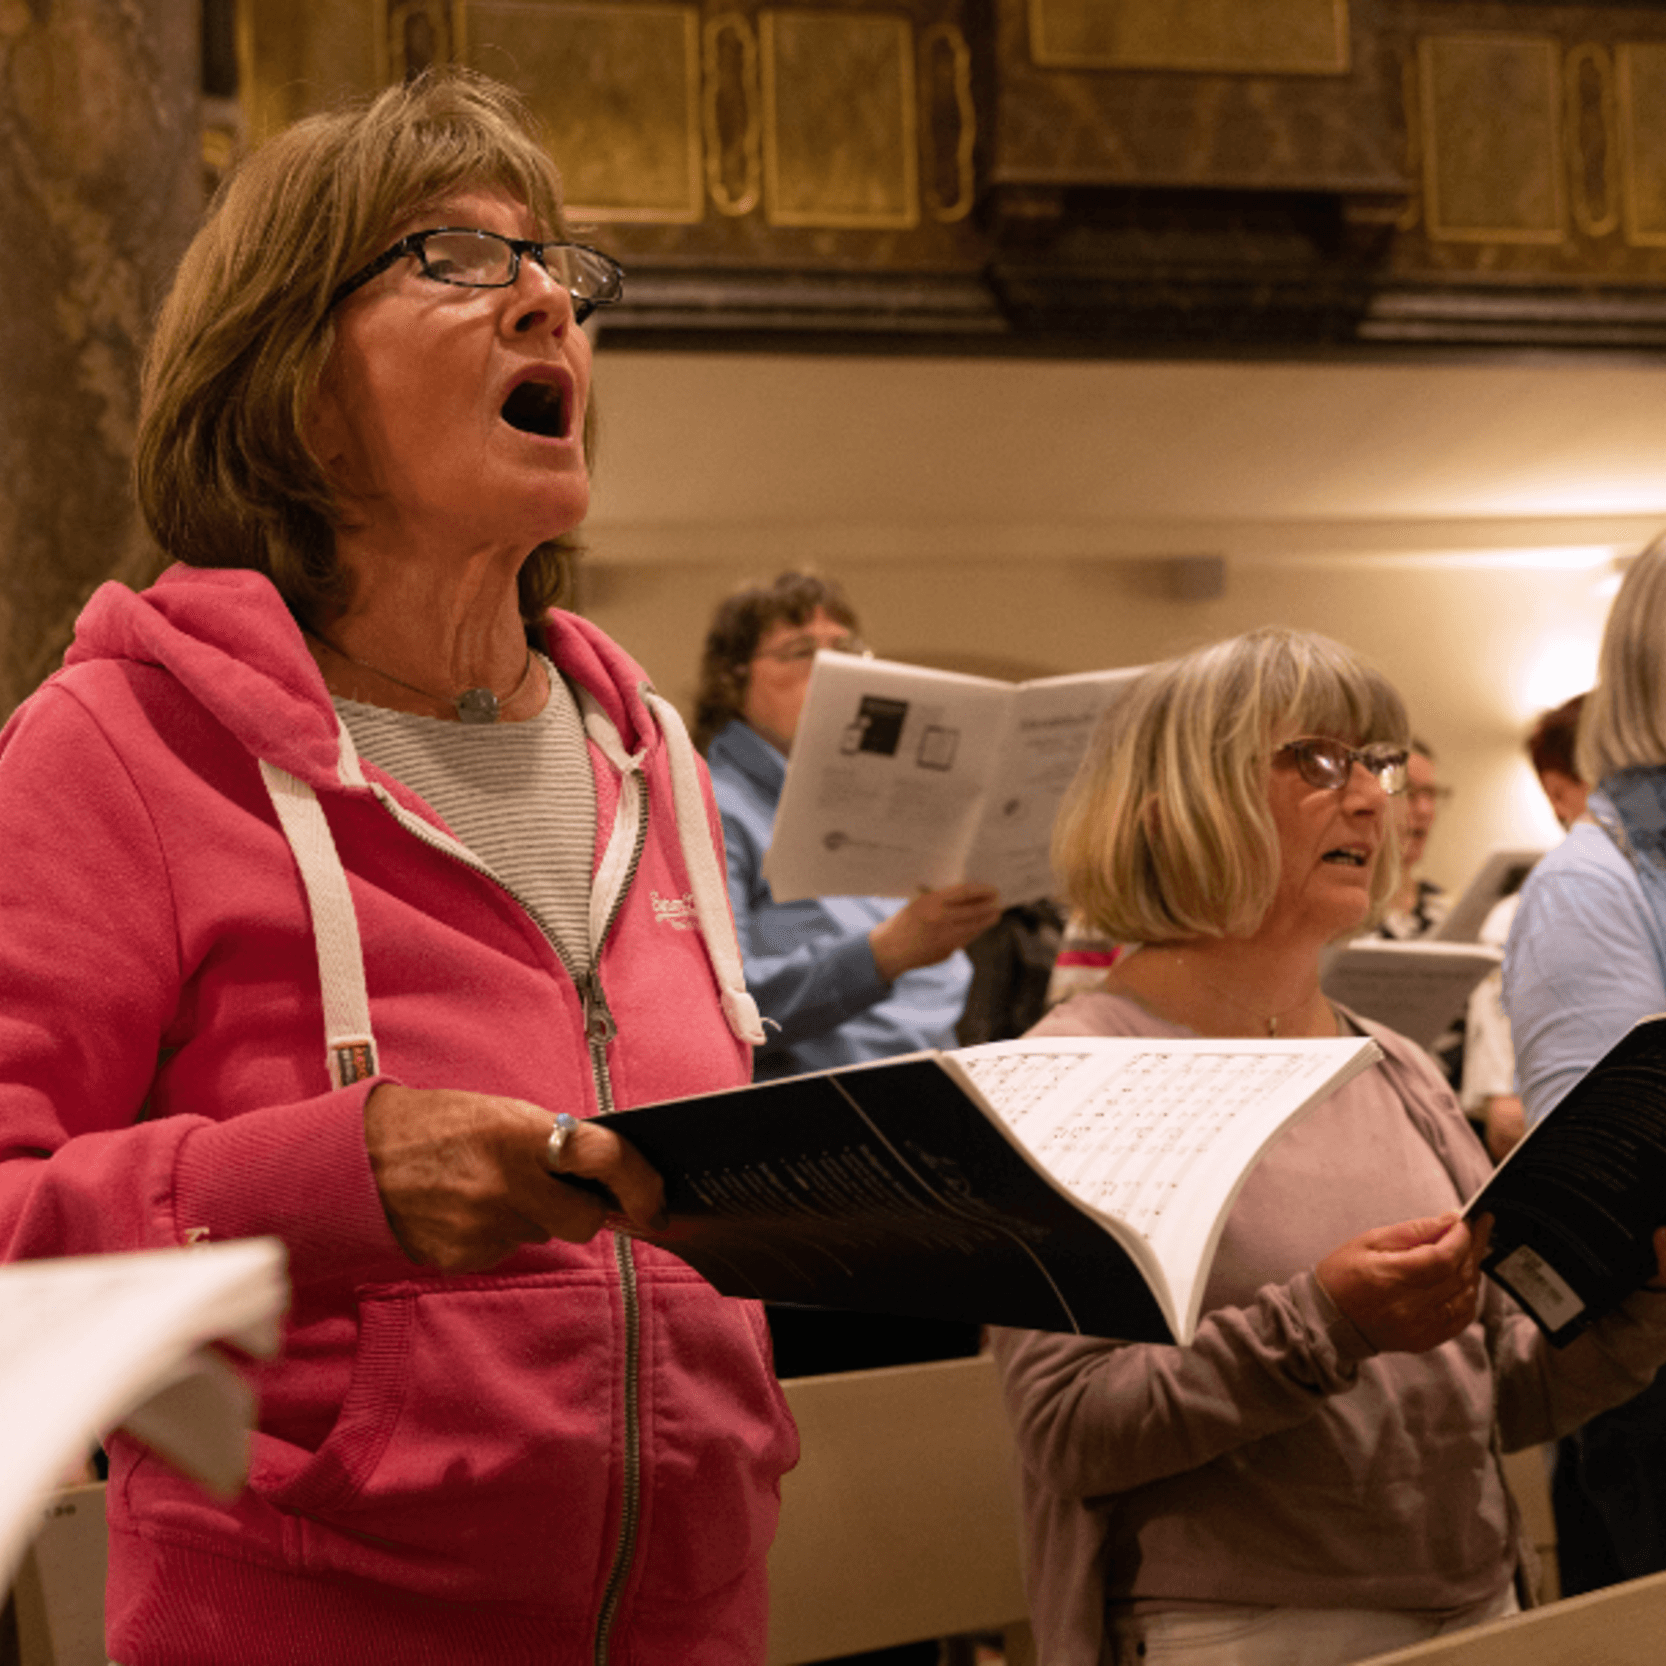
{"points": [[345, 877]]}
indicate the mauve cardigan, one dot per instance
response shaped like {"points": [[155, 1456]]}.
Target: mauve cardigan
{"points": [[1279, 1459]]}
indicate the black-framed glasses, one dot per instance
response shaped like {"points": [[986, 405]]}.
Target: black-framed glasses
{"points": [[1328, 764], [477, 259]]}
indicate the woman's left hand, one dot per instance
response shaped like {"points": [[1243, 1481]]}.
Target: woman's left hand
{"points": [[1409, 1287], [463, 1182]]}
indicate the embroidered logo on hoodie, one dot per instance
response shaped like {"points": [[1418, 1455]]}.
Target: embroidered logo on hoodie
{"points": [[676, 912]]}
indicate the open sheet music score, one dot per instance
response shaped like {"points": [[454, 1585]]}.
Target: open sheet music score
{"points": [[1074, 1184]]}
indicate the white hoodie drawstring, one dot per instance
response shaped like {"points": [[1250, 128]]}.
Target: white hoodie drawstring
{"points": [[710, 885], [350, 1045]]}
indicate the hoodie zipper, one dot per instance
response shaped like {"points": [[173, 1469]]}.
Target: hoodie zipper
{"points": [[600, 1027]]}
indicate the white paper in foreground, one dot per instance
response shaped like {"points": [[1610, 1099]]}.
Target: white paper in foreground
{"points": [[92, 1342]]}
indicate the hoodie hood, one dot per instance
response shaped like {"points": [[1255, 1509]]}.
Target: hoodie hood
{"points": [[226, 635]]}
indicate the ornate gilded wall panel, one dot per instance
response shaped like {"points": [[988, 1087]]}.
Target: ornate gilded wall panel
{"points": [[949, 175], [840, 145], [1236, 125], [1492, 138], [1586, 282], [296, 56], [1641, 76], [1593, 135], [1234, 37], [731, 113], [618, 89], [418, 34], [1296, 170]]}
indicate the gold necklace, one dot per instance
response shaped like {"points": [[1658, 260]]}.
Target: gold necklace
{"points": [[1271, 1020], [473, 705]]}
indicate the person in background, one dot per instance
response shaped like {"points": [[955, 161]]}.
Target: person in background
{"points": [[1314, 1479], [1012, 973], [1488, 1088], [1586, 959], [1084, 958], [838, 980], [1419, 905], [302, 934], [1553, 745]]}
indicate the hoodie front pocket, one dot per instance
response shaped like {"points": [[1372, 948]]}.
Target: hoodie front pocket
{"points": [[476, 1453]]}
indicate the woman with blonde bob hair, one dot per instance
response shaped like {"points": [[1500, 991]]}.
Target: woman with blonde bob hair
{"points": [[1314, 1478], [1586, 959], [1188, 745], [332, 913]]}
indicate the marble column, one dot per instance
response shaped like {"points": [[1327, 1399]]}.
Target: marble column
{"points": [[101, 186]]}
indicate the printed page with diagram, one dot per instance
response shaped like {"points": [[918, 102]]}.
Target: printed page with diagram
{"points": [[902, 778], [885, 780]]}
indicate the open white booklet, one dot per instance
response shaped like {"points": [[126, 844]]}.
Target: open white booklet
{"points": [[1061, 1183], [93, 1342], [1418, 986], [902, 777], [1500, 876]]}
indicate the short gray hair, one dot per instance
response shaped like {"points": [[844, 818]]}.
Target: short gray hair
{"points": [[1623, 725]]}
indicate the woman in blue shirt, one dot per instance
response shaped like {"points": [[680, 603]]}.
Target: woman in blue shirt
{"points": [[1586, 959]]}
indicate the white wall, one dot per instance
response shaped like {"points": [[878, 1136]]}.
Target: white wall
{"points": [[1456, 524]]}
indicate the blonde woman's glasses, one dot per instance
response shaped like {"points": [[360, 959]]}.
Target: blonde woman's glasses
{"points": [[1328, 763]]}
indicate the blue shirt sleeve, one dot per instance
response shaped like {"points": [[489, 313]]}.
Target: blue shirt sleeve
{"points": [[1584, 962], [807, 970]]}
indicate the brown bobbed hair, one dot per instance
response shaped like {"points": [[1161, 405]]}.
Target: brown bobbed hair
{"points": [[224, 474], [1166, 835], [741, 622]]}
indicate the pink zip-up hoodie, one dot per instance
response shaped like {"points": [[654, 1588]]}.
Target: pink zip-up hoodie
{"points": [[575, 1457]]}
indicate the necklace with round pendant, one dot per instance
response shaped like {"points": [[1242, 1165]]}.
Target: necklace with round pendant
{"points": [[474, 706]]}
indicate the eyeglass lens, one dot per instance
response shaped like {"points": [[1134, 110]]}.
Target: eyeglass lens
{"points": [[1328, 763], [806, 647], [484, 259]]}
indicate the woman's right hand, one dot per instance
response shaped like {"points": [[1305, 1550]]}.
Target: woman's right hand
{"points": [[1410, 1287], [463, 1182], [930, 927]]}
